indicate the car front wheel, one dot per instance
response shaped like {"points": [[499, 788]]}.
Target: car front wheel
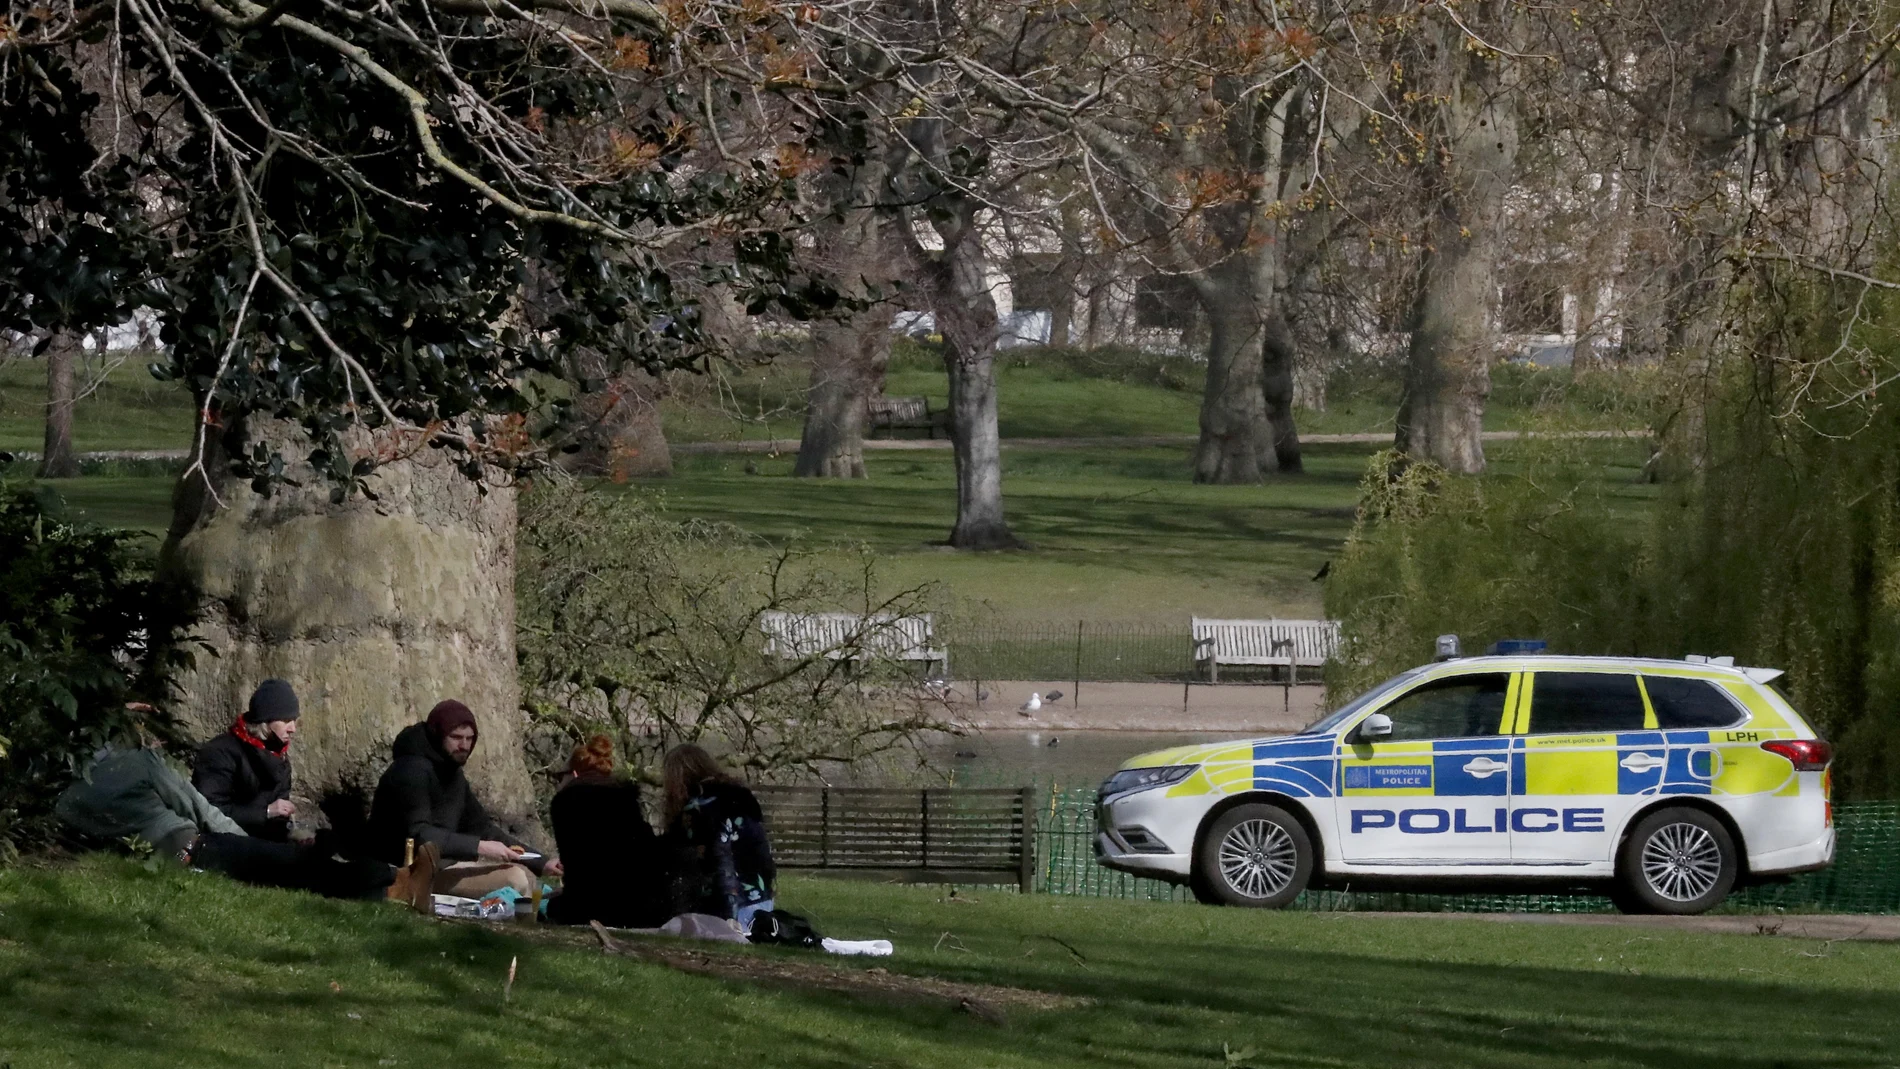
{"points": [[1253, 855], [1676, 861]]}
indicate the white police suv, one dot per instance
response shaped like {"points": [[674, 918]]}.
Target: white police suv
{"points": [[1668, 781]]}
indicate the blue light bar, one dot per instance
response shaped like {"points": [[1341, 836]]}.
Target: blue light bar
{"points": [[1506, 647]]}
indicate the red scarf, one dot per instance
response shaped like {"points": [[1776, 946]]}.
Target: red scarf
{"points": [[244, 733]]}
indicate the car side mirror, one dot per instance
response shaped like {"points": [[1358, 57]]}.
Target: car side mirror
{"points": [[1374, 727]]}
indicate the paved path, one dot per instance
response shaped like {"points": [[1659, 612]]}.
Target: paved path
{"points": [[1831, 927], [790, 445]]}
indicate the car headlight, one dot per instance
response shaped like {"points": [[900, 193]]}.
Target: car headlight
{"points": [[1130, 780]]}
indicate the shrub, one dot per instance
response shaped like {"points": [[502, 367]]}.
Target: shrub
{"points": [[647, 630], [76, 627], [1537, 554]]}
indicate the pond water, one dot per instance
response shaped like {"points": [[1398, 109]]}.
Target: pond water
{"points": [[1063, 759]]}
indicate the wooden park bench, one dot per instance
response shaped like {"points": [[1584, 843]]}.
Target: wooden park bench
{"points": [[905, 414], [849, 636], [1289, 644], [964, 835]]}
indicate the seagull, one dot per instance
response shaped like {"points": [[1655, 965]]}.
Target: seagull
{"points": [[1053, 695], [1029, 707]]}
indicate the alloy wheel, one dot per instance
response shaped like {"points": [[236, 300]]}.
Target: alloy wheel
{"points": [[1682, 862], [1258, 858]]}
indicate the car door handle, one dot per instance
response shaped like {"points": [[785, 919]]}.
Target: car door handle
{"points": [[1642, 762], [1481, 767]]}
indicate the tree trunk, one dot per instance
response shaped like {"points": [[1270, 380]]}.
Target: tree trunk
{"points": [[847, 370], [1062, 311], [1098, 307], [848, 356], [1237, 440], [623, 437], [1447, 369], [1448, 365], [374, 609], [966, 315], [57, 460], [1276, 383]]}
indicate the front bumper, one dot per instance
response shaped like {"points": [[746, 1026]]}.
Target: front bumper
{"points": [[1148, 833], [1110, 854]]}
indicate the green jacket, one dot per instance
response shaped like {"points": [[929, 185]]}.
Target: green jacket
{"points": [[134, 792]]}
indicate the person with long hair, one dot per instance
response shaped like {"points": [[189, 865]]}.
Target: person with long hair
{"points": [[719, 831], [614, 871]]}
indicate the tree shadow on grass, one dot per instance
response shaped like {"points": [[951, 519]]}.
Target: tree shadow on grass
{"points": [[105, 965]]}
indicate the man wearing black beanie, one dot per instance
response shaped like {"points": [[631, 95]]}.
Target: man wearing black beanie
{"points": [[245, 772]]}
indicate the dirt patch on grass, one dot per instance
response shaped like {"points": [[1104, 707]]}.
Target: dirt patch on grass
{"points": [[990, 1002]]}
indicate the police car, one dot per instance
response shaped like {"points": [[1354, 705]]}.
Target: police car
{"points": [[1668, 782]]}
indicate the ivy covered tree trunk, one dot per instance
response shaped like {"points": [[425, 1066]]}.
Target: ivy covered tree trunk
{"points": [[374, 609], [57, 459]]}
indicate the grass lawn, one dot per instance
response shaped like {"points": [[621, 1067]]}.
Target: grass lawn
{"points": [[1115, 533], [1041, 398], [103, 964], [129, 410]]}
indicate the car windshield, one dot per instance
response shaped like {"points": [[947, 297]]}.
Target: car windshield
{"points": [[1345, 712]]}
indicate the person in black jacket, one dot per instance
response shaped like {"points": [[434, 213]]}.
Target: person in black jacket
{"points": [[245, 772], [425, 797], [716, 825], [613, 869]]}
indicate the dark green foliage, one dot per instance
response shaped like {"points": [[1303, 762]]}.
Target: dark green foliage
{"points": [[418, 277], [75, 626], [76, 250]]}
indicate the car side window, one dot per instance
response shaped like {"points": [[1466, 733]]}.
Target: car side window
{"points": [[1454, 708], [1574, 703], [1689, 703]]}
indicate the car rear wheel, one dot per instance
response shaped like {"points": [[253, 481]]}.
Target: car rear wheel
{"points": [[1253, 855], [1677, 861]]}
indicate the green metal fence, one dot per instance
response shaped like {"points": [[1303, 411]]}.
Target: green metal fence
{"points": [[1865, 877]]}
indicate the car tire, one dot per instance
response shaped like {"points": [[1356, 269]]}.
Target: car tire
{"points": [[1253, 855], [1677, 861]]}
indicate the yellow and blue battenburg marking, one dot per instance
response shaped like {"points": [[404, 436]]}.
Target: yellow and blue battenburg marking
{"points": [[1621, 763], [1298, 768]]}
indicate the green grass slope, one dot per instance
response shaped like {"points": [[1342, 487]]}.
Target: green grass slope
{"points": [[103, 965], [128, 410], [1115, 533]]}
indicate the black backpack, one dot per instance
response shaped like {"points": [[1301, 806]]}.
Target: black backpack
{"points": [[785, 929]]}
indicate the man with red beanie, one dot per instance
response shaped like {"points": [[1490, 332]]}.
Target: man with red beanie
{"points": [[425, 797]]}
